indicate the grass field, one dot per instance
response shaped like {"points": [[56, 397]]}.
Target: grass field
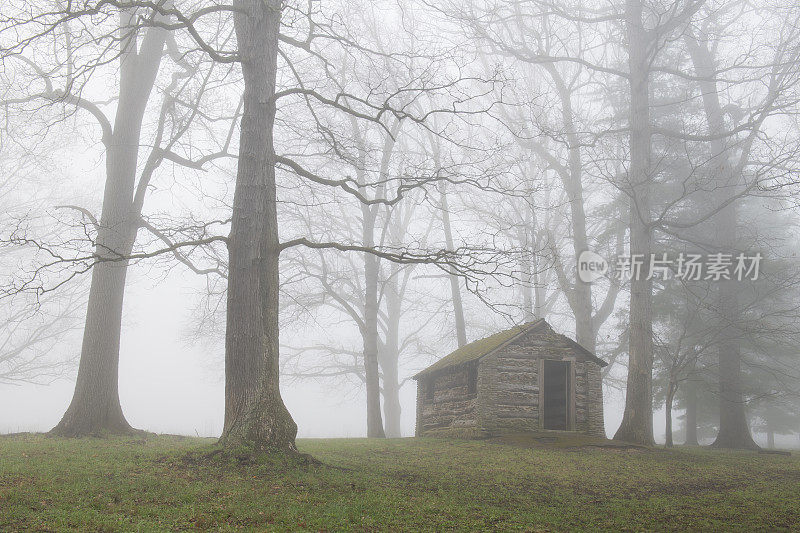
{"points": [[171, 483]]}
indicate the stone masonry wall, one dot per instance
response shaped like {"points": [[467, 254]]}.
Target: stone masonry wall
{"points": [[452, 409], [595, 423], [509, 394]]}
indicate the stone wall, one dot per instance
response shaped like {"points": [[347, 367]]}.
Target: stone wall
{"points": [[509, 392], [451, 411], [595, 423]]}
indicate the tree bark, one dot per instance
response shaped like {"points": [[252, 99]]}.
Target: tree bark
{"points": [[455, 285], [637, 421], [691, 414], [370, 335], [390, 359], [668, 442], [255, 415], [95, 407], [734, 431], [391, 398]]}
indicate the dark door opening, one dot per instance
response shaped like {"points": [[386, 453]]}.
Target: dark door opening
{"points": [[556, 395]]}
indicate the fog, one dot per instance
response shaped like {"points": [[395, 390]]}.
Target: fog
{"points": [[206, 218], [171, 385]]}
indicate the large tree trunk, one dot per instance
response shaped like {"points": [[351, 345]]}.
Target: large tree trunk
{"points": [[95, 407], [370, 335], [390, 359], [691, 414], [391, 397], [255, 415], [668, 408], [455, 285], [584, 328], [637, 421], [585, 333], [734, 431]]}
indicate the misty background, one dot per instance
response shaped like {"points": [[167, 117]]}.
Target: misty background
{"points": [[526, 160]]}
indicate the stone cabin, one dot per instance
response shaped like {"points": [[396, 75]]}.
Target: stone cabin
{"points": [[525, 379]]}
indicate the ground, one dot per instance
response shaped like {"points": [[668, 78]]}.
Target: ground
{"points": [[172, 483]]}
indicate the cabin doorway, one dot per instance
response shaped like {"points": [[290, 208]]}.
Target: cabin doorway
{"points": [[556, 385]]}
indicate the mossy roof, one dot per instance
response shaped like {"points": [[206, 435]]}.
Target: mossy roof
{"points": [[477, 349]]}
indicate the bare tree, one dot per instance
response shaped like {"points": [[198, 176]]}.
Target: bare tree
{"points": [[95, 406], [734, 431], [33, 337], [255, 415]]}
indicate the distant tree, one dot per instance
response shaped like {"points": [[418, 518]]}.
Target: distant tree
{"points": [[57, 53], [683, 339], [551, 125], [35, 331]]}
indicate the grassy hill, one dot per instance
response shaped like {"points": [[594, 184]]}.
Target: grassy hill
{"points": [[173, 483]]}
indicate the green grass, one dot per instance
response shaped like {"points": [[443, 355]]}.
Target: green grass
{"points": [[170, 483]]}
